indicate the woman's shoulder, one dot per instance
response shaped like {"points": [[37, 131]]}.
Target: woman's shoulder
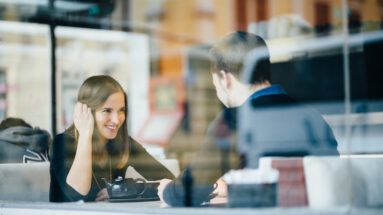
{"points": [[136, 148], [63, 137], [133, 143], [64, 140], [63, 146]]}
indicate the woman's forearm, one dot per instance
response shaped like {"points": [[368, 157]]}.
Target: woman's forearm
{"points": [[80, 173]]}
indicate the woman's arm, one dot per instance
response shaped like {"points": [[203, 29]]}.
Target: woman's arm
{"points": [[62, 155], [199, 178], [80, 173], [146, 165]]}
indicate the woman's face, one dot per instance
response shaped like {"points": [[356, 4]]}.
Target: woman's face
{"points": [[110, 116]]}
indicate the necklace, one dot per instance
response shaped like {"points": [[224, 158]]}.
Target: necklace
{"points": [[110, 175]]}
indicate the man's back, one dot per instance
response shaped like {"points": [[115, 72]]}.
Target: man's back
{"points": [[270, 125], [277, 125]]}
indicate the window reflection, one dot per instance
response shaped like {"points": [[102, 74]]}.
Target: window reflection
{"points": [[141, 41], [25, 72]]}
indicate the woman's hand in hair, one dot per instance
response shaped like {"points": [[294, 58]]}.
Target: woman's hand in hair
{"points": [[83, 120]]}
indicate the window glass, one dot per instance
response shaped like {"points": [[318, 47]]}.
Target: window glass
{"points": [[82, 53], [247, 103], [25, 73]]}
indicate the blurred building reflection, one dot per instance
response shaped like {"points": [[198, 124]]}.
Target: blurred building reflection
{"points": [[138, 41]]}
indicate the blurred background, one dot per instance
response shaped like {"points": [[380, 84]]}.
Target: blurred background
{"points": [[325, 53]]}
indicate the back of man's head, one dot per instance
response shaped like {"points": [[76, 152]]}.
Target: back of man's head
{"points": [[230, 53]]}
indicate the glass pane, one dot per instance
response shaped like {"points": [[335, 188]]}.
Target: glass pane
{"points": [[25, 75], [25, 110], [248, 103], [82, 53]]}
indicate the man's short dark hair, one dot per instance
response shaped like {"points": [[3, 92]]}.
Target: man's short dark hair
{"points": [[230, 53]]}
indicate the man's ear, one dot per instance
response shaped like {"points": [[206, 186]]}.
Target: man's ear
{"points": [[227, 78]]}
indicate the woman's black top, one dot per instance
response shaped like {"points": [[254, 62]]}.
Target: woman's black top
{"points": [[62, 156]]}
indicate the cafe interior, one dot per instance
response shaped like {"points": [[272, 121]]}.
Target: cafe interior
{"points": [[323, 53]]}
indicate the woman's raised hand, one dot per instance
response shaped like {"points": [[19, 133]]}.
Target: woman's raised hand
{"points": [[80, 174], [83, 119]]}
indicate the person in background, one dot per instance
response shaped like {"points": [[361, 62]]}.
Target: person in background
{"points": [[20, 143], [219, 151], [97, 145]]}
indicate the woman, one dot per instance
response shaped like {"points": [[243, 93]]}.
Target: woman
{"points": [[97, 145]]}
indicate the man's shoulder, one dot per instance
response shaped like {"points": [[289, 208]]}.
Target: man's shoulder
{"points": [[275, 99]]}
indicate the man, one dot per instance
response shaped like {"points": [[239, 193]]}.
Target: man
{"points": [[291, 129]]}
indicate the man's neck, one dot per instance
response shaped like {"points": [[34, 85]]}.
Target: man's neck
{"points": [[257, 87], [247, 90]]}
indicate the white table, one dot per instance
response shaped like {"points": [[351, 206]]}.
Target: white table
{"points": [[155, 207]]}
